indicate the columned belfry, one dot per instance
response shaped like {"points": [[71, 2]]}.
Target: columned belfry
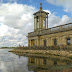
{"points": [[44, 36], [40, 19]]}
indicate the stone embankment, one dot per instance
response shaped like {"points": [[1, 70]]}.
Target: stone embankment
{"points": [[49, 52]]}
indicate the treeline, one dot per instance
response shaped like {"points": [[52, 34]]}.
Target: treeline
{"points": [[9, 47]]}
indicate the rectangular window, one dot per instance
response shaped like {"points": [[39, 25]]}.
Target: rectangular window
{"points": [[68, 41], [55, 42], [45, 43]]}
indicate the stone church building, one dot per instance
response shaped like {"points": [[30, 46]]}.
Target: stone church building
{"points": [[44, 36]]}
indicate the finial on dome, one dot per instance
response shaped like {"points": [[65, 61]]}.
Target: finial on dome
{"points": [[40, 6]]}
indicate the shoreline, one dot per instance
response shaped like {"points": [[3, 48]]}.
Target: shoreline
{"points": [[61, 53], [57, 55]]}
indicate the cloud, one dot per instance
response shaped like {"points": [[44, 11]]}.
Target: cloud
{"points": [[66, 4], [56, 21], [16, 21], [3, 29], [17, 15]]}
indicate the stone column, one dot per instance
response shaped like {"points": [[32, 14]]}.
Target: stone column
{"points": [[47, 21], [64, 40], [58, 41], [34, 24], [60, 28], [71, 40], [37, 42], [29, 60], [39, 22], [40, 42], [48, 42], [41, 61], [51, 42], [30, 42], [35, 61], [42, 22]]}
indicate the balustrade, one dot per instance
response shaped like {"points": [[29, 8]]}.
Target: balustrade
{"points": [[51, 30]]}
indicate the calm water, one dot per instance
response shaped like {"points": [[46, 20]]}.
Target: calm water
{"points": [[10, 62]]}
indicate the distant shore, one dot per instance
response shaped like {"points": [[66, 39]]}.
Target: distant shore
{"points": [[8, 47]]}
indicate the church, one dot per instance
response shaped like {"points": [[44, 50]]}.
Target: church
{"points": [[44, 36]]}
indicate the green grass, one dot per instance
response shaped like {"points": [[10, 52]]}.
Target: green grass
{"points": [[70, 57]]}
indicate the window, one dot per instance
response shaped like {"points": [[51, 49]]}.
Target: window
{"points": [[55, 62], [45, 43], [68, 41], [44, 61], [55, 42], [32, 60], [44, 23], [37, 18], [37, 22]]}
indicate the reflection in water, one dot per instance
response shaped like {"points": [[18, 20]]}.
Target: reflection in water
{"points": [[10, 62], [45, 64]]}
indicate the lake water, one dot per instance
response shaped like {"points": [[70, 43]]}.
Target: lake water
{"points": [[10, 62]]}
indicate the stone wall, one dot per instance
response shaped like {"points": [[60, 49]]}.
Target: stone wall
{"points": [[61, 38]]}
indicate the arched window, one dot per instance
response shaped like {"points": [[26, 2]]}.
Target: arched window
{"points": [[68, 41], [55, 41]]}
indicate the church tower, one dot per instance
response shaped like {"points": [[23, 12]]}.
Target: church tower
{"points": [[40, 19]]}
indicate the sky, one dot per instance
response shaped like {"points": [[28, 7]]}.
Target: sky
{"points": [[17, 20]]}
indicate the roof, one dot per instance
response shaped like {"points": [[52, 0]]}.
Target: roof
{"points": [[40, 11]]}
